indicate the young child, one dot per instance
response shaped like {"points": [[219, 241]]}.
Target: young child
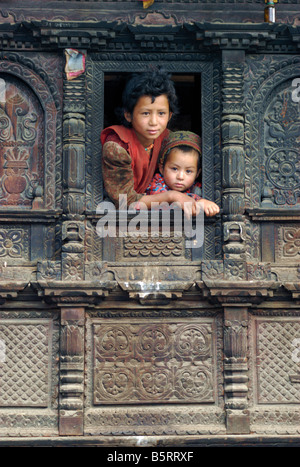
{"points": [[130, 150], [180, 166]]}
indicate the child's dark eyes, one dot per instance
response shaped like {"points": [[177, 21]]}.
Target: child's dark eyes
{"points": [[161, 114], [188, 171]]}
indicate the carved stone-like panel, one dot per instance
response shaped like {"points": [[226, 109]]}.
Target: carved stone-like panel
{"points": [[275, 363], [25, 365], [153, 363], [274, 377], [25, 361], [28, 374]]}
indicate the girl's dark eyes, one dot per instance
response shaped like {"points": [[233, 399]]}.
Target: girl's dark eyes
{"points": [[160, 113]]}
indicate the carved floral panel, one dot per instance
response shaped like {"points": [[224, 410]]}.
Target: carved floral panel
{"points": [[148, 363], [14, 243], [287, 244]]}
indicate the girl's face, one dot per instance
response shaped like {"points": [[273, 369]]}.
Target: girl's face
{"points": [[180, 170], [149, 119]]}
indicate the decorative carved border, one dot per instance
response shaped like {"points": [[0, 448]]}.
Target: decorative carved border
{"points": [[41, 89]]}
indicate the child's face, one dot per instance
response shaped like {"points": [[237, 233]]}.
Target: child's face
{"points": [[180, 169], [149, 119]]}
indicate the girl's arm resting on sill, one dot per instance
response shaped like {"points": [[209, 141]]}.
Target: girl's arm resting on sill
{"points": [[187, 204]]}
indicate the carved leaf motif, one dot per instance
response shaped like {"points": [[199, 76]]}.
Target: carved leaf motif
{"points": [[193, 342], [11, 243], [291, 239]]}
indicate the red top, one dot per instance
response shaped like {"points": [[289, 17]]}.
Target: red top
{"points": [[143, 163]]}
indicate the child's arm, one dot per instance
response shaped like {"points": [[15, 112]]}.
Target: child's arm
{"points": [[118, 174], [210, 208], [187, 204]]}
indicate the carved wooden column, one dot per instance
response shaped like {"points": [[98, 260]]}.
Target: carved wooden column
{"points": [[235, 316], [71, 371], [72, 261], [74, 179], [236, 369], [233, 164]]}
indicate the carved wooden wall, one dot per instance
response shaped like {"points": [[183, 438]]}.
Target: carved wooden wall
{"points": [[133, 336]]}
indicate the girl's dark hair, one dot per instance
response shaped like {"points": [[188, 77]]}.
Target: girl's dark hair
{"points": [[152, 83]]}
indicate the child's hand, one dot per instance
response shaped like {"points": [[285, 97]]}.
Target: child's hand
{"points": [[209, 207], [187, 204]]}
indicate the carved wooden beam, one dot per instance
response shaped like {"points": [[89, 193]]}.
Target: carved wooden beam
{"points": [[165, 32]]}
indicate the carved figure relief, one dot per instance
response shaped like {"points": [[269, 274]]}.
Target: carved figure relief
{"points": [[21, 143]]}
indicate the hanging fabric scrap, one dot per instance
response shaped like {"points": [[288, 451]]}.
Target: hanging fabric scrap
{"points": [[147, 3], [75, 63]]}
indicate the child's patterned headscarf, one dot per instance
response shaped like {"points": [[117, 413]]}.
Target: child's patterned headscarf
{"points": [[179, 138]]}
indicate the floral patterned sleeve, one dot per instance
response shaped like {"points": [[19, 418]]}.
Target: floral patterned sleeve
{"points": [[117, 173]]}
